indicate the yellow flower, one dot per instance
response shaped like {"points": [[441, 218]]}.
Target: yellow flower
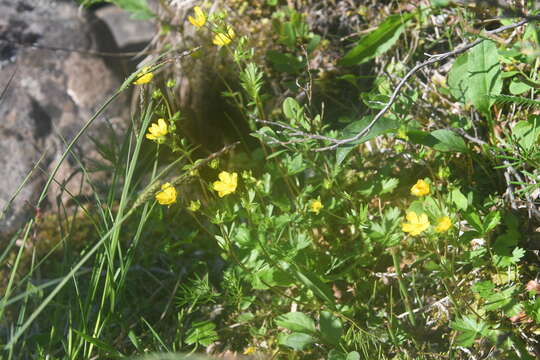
{"points": [[416, 224], [145, 76], [226, 184], [250, 350], [167, 195], [421, 188], [443, 223], [315, 206], [222, 39], [200, 18], [157, 132]]}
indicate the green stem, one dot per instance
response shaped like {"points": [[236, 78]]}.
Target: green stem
{"points": [[402, 287]]}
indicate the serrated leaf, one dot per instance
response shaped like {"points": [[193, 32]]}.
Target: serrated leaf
{"points": [[388, 185], [295, 165], [201, 332], [498, 300], [474, 220], [469, 329], [484, 288], [296, 321], [491, 221], [502, 261], [484, 75], [466, 338], [467, 323], [378, 41]]}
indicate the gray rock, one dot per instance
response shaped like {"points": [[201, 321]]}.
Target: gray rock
{"points": [[58, 83], [128, 33]]}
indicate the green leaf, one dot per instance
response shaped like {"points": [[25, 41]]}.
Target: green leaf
{"points": [[315, 284], [296, 321], [331, 328], [138, 8], [251, 80], [458, 79], [440, 3], [526, 132], [442, 140], [448, 141], [313, 43], [533, 310], [501, 299], [502, 261], [474, 220], [284, 62], [469, 330], [291, 108], [288, 34], [484, 288], [353, 355], [335, 354], [268, 276], [506, 242], [295, 165], [457, 197], [378, 41], [245, 317], [491, 221], [517, 100], [100, 344], [201, 332], [388, 185], [297, 341], [517, 87], [484, 75], [382, 126], [242, 236]]}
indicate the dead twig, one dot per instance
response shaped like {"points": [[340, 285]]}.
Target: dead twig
{"points": [[509, 170], [335, 143]]}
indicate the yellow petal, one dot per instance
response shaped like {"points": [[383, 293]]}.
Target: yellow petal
{"points": [[220, 186], [412, 217], [443, 224], [222, 39], [224, 176], [162, 126], [145, 76]]}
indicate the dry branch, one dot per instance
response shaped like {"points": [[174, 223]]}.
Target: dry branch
{"points": [[335, 143]]}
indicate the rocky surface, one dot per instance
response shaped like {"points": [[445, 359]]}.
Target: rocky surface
{"points": [[53, 81], [129, 34]]}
